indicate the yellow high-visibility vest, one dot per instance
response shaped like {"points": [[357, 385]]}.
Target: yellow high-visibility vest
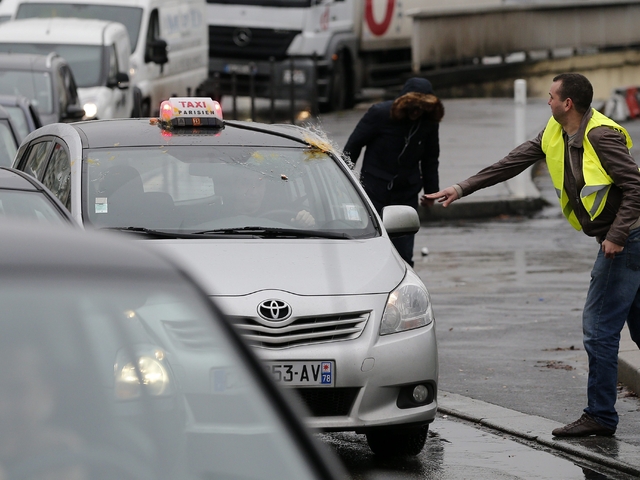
{"points": [[597, 182]]}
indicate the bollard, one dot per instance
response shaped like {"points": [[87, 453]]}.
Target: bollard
{"points": [[272, 88], [234, 94], [522, 185], [292, 93], [252, 90]]}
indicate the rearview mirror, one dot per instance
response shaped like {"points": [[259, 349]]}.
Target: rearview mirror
{"points": [[121, 81], [73, 112], [157, 52]]}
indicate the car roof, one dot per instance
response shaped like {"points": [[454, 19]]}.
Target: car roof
{"points": [[143, 132], [76, 31], [16, 180], [14, 100], [27, 61], [26, 246]]}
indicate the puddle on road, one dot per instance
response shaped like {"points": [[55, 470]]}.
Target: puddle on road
{"points": [[456, 450]]}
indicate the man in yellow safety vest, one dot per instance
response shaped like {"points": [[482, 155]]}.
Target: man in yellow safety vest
{"points": [[598, 185]]}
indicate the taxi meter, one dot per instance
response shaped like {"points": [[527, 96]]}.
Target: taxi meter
{"points": [[191, 112]]}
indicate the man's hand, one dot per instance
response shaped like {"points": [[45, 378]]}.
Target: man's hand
{"points": [[610, 249], [445, 197], [426, 202], [304, 219]]}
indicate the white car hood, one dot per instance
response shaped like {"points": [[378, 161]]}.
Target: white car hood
{"points": [[302, 267]]}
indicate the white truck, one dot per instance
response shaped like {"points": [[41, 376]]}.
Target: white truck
{"points": [[328, 48], [97, 52], [168, 42]]}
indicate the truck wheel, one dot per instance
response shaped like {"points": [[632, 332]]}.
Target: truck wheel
{"points": [[338, 88], [397, 442]]}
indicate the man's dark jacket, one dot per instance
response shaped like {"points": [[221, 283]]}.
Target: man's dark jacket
{"points": [[401, 155]]}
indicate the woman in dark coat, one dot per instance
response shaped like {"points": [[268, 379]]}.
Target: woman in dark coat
{"points": [[402, 147]]}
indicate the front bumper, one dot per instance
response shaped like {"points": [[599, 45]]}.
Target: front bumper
{"points": [[372, 372]]}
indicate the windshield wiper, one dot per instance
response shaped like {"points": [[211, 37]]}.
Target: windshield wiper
{"points": [[145, 231], [268, 232]]}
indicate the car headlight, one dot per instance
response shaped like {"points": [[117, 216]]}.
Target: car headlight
{"points": [[408, 307], [146, 372], [90, 110]]}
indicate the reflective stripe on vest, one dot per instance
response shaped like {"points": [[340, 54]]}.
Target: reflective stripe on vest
{"points": [[597, 182]]}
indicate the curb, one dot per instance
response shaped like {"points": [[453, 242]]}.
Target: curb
{"points": [[482, 209], [537, 429]]}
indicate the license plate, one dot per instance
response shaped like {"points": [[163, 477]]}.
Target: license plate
{"points": [[237, 68], [321, 373]]}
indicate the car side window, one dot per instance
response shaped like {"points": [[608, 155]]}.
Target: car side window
{"points": [[57, 177], [63, 100], [69, 86], [36, 159]]}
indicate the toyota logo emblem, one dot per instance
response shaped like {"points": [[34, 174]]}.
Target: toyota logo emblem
{"points": [[274, 310], [242, 37]]}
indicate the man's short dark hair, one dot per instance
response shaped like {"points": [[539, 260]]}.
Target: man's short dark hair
{"points": [[576, 87]]}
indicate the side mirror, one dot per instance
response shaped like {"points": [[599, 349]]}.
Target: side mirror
{"points": [[399, 220], [156, 52], [73, 112], [121, 81]]}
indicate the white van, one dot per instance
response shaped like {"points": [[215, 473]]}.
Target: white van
{"points": [[7, 9], [169, 42], [97, 52]]}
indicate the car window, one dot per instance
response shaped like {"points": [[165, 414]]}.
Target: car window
{"points": [[114, 69], [35, 161], [130, 17], [32, 206], [133, 376], [8, 148], [57, 176], [36, 86], [195, 188], [19, 118]]}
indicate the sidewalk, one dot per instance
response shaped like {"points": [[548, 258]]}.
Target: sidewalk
{"points": [[475, 133]]}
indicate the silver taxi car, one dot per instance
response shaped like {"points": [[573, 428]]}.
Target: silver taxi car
{"points": [[276, 226]]}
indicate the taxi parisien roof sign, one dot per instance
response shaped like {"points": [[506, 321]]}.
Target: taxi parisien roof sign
{"points": [[191, 112]]}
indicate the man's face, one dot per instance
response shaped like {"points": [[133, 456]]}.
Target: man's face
{"points": [[559, 106]]}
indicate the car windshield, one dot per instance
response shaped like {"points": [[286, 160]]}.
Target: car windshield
{"points": [[19, 118], [36, 86], [29, 206], [85, 60], [8, 148], [113, 376], [189, 189], [130, 17]]}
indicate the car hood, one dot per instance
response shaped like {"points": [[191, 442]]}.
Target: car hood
{"points": [[302, 267]]}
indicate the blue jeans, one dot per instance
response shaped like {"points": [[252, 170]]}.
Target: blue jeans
{"points": [[612, 300]]}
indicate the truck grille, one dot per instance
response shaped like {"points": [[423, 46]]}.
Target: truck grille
{"points": [[261, 43], [303, 330]]}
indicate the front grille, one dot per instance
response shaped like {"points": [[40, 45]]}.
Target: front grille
{"points": [[264, 43], [302, 330], [193, 335], [328, 402]]}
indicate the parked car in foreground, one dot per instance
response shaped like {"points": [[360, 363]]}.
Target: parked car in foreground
{"points": [[24, 114], [282, 235], [46, 80], [103, 346], [23, 197], [9, 138]]}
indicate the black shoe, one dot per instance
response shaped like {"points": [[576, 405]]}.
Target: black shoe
{"points": [[583, 427]]}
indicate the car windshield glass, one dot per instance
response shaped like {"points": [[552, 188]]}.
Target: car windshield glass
{"points": [[29, 206], [36, 86], [114, 376], [130, 17], [8, 148], [191, 189], [19, 117], [85, 60]]}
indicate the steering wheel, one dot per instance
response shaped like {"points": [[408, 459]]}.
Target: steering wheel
{"points": [[282, 215], [106, 462]]}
